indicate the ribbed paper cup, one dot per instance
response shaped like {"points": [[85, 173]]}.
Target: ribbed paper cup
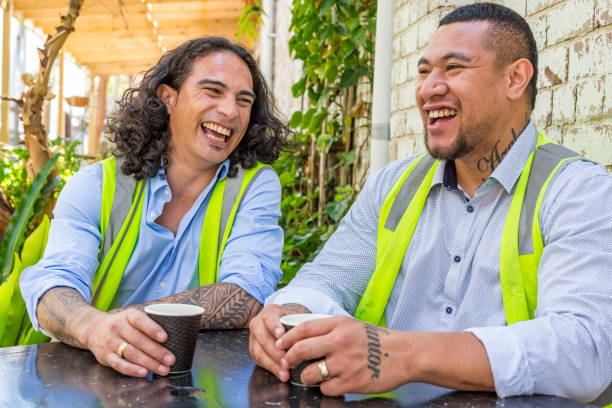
{"points": [[182, 323], [289, 322]]}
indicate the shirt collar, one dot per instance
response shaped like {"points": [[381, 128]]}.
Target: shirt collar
{"points": [[508, 171], [159, 181]]}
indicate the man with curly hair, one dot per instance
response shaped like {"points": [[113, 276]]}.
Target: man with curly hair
{"points": [[185, 212]]}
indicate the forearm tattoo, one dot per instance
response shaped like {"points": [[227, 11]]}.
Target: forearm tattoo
{"points": [[295, 308], [375, 354], [58, 313], [226, 306]]}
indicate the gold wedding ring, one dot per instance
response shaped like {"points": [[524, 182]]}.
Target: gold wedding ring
{"points": [[121, 349], [323, 368]]}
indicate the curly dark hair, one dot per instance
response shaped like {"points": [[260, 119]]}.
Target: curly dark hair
{"points": [[509, 36], [139, 127]]}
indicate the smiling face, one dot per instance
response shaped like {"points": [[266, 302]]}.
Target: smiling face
{"points": [[460, 92], [211, 112]]}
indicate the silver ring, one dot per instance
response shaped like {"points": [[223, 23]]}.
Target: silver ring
{"points": [[323, 368], [121, 349]]}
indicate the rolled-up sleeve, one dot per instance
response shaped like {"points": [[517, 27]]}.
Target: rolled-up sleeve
{"points": [[252, 256], [70, 257], [567, 349]]}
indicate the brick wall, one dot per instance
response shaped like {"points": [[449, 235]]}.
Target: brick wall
{"points": [[574, 102]]}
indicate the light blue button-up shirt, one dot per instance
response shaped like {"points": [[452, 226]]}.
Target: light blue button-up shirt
{"points": [[162, 263], [449, 278]]}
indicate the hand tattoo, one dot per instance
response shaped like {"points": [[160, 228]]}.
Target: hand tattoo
{"points": [[489, 163], [375, 354], [296, 308]]}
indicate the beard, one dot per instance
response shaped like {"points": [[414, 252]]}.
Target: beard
{"points": [[469, 139]]}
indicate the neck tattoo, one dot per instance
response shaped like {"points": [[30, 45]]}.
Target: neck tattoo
{"points": [[488, 163]]}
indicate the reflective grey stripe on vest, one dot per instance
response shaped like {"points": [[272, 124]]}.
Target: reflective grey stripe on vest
{"points": [[232, 189], [545, 159], [407, 191], [122, 202]]}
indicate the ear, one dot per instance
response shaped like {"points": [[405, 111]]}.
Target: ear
{"points": [[168, 96], [518, 75]]}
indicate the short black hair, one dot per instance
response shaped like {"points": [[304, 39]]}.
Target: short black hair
{"points": [[508, 35], [139, 127]]}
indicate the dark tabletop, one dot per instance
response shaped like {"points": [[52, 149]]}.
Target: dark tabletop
{"points": [[223, 375]]}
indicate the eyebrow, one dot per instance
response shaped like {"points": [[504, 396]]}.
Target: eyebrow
{"points": [[451, 55], [222, 85]]}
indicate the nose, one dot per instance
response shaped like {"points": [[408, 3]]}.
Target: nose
{"points": [[433, 84], [227, 107]]}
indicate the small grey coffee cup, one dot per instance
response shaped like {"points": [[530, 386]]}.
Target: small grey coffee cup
{"points": [[289, 322], [182, 323]]}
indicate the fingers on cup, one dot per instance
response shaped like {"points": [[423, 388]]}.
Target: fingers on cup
{"points": [[134, 355], [144, 323]]}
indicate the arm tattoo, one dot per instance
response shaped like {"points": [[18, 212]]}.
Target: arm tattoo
{"points": [[295, 308], [59, 312], [375, 354], [226, 306]]}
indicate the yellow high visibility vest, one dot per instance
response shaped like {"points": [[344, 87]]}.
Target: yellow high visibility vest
{"points": [[521, 243]]}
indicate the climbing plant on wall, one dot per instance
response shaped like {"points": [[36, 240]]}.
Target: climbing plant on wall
{"points": [[334, 40]]}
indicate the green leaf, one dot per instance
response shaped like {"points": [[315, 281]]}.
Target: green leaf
{"points": [[359, 35], [336, 209], [16, 229], [307, 118], [298, 88], [324, 142], [286, 178], [341, 29], [348, 78], [296, 119]]}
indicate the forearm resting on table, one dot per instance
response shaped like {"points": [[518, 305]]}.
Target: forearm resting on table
{"points": [[452, 360], [226, 306], [61, 312]]}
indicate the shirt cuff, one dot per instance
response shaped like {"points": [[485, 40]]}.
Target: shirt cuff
{"points": [[508, 360], [315, 301]]}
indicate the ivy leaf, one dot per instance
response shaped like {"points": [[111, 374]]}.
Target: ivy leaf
{"points": [[335, 209], [296, 119], [359, 36], [341, 29], [324, 95], [348, 78], [299, 87], [331, 71], [324, 142], [307, 118], [325, 6]]}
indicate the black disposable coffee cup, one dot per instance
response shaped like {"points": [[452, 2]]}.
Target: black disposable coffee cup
{"points": [[289, 322], [182, 323]]}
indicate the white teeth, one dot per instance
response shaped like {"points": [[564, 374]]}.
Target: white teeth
{"points": [[441, 113], [216, 128]]}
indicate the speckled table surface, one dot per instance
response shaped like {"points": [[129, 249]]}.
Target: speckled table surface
{"points": [[223, 375]]}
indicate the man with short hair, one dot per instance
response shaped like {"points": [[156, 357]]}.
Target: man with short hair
{"points": [[481, 265], [186, 212]]}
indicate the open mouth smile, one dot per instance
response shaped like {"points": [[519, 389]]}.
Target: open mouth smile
{"points": [[216, 133]]}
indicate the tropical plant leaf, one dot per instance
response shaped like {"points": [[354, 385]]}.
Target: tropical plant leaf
{"points": [[17, 227]]}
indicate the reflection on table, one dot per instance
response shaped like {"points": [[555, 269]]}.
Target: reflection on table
{"points": [[56, 375]]}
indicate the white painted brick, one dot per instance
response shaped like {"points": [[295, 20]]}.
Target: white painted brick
{"points": [[397, 124], [572, 18], [427, 27], [418, 9], [414, 123], [533, 6], [411, 67], [564, 105], [408, 41], [397, 44], [552, 67], [603, 13], [538, 27], [607, 108], [399, 71], [555, 134], [401, 19], [455, 3], [432, 5], [406, 95], [392, 150], [593, 141], [590, 55], [405, 147], [542, 114], [517, 5], [589, 99]]}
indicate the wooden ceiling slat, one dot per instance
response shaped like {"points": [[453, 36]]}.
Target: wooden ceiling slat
{"points": [[110, 39]]}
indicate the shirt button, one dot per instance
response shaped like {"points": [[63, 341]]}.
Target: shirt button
{"points": [[470, 209], [457, 258], [167, 192], [163, 284], [449, 310], [152, 214]]}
